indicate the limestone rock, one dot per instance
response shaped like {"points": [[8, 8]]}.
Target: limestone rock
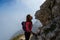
{"points": [[49, 15]]}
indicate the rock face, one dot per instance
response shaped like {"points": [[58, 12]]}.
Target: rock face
{"points": [[49, 15]]}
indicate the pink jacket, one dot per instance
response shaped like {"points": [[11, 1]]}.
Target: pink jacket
{"points": [[28, 26]]}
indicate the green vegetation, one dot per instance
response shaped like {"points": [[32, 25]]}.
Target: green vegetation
{"points": [[17, 37]]}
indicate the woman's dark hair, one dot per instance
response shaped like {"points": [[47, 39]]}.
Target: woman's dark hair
{"points": [[28, 17]]}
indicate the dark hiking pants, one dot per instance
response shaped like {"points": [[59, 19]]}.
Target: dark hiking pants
{"points": [[27, 35]]}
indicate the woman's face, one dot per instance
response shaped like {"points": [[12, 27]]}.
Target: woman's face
{"points": [[30, 17]]}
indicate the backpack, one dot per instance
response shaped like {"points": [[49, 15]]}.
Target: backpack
{"points": [[24, 25]]}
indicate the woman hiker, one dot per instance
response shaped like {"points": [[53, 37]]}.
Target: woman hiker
{"points": [[27, 26]]}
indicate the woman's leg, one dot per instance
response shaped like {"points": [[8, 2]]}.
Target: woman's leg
{"points": [[27, 35]]}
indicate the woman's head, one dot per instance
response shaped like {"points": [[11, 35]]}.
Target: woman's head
{"points": [[28, 17]]}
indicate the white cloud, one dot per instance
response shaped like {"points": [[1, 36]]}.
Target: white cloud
{"points": [[33, 4]]}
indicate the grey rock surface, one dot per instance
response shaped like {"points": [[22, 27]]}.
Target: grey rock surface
{"points": [[49, 15]]}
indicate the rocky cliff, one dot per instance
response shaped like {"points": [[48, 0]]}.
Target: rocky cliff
{"points": [[49, 15]]}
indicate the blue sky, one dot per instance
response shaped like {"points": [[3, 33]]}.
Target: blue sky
{"points": [[12, 12]]}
